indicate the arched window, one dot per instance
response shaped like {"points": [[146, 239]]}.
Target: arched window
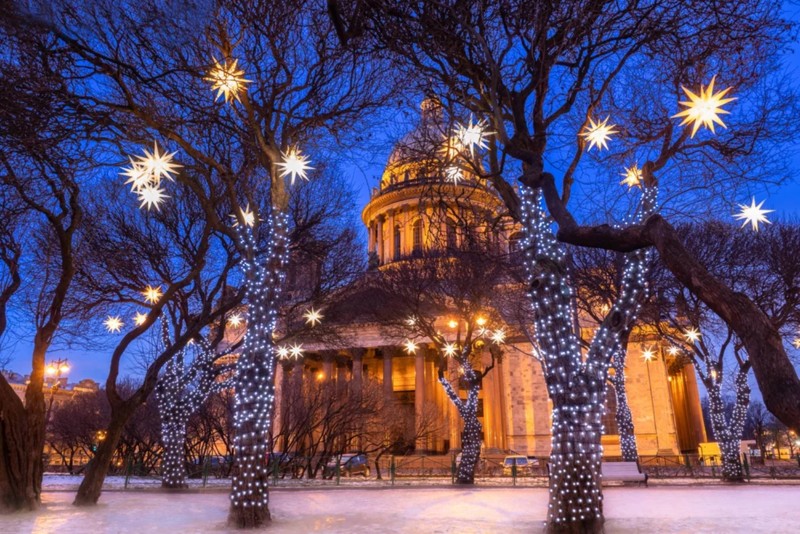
{"points": [[515, 243], [398, 242], [451, 233], [417, 235], [610, 413]]}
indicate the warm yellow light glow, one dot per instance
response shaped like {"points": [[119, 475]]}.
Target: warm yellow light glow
{"points": [[753, 214], [151, 196], [320, 375], [498, 337], [113, 324], [692, 335], [648, 355], [450, 349], [598, 133], [452, 323], [152, 294], [796, 342], [410, 346], [633, 176], [313, 317], [451, 149], [480, 321], [472, 135], [235, 320], [64, 369], [227, 80], [294, 165], [704, 109], [139, 318], [50, 370]]}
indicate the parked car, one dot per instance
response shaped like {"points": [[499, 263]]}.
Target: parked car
{"points": [[349, 465], [522, 462]]}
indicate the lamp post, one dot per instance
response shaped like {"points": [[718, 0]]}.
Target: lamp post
{"points": [[55, 369]]}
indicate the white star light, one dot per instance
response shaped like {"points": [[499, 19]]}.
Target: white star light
{"points": [[283, 353], [235, 320], [796, 342], [598, 133], [692, 335], [450, 349], [227, 80], [648, 355], [313, 317], [294, 164], [633, 176], [296, 351], [673, 350], [498, 337], [139, 318], [151, 196], [152, 294], [158, 164], [472, 135], [248, 216], [113, 324], [411, 321], [410, 346], [145, 174], [704, 109], [453, 173], [136, 175], [753, 214]]}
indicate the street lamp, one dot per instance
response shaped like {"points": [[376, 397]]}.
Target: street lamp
{"points": [[55, 369]]}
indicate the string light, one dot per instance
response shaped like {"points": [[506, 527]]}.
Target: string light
{"points": [[704, 109], [598, 133]]}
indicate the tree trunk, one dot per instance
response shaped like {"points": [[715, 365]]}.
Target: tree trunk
{"points": [[627, 438], [576, 502], [731, 460], [470, 447], [95, 474], [173, 461]]}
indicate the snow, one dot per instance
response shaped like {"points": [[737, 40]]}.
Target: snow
{"points": [[697, 509]]}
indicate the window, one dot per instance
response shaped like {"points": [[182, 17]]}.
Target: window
{"points": [[610, 413], [398, 242], [417, 233]]}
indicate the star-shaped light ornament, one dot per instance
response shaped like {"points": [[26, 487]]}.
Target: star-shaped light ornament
{"points": [[632, 176], [472, 135], [648, 355], [151, 196], [139, 318], [152, 294], [498, 337], [313, 317], [704, 109], [248, 216], [283, 353], [753, 214], [411, 320], [227, 80], [598, 133], [113, 324], [235, 320], [450, 349], [296, 351], [692, 335], [796, 342], [453, 174], [136, 175], [673, 350], [410, 347], [294, 165], [145, 173]]}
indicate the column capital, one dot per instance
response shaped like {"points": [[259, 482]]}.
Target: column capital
{"points": [[357, 353]]}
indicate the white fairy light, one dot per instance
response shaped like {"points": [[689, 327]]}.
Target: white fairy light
{"points": [[294, 164], [704, 109], [113, 324], [598, 133], [753, 214]]}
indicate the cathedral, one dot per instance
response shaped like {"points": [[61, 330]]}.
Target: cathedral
{"points": [[415, 211]]}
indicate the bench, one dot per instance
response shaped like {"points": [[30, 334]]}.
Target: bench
{"points": [[623, 472]]}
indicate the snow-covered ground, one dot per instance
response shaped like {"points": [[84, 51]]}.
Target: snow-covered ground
{"points": [[405, 510]]}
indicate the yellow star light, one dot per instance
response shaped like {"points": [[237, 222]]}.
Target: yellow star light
{"points": [[113, 324], [796, 342], [450, 349], [692, 335], [283, 353], [227, 80], [151, 196], [472, 135], [152, 294], [453, 174], [633, 176], [753, 214], [648, 355], [704, 109], [248, 216], [158, 164], [598, 133], [235, 320], [410, 346], [296, 351], [294, 164], [498, 337], [313, 317], [139, 318], [673, 350]]}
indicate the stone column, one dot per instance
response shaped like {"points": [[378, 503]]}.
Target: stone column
{"points": [[379, 240], [358, 367], [392, 223], [419, 395], [693, 401], [388, 387], [328, 357]]}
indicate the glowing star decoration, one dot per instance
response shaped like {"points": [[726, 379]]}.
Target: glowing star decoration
{"points": [[151, 196], [472, 135], [235, 320], [753, 214], [227, 80], [632, 176], [453, 173], [294, 165], [313, 317], [692, 335], [136, 175], [673, 350], [498, 337], [411, 321], [796, 342], [113, 324], [648, 355], [410, 346], [139, 318], [704, 109], [283, 353], [598, 133], [152, 294], [158, 165], [248, 217], [449, 349], [296, 351]]}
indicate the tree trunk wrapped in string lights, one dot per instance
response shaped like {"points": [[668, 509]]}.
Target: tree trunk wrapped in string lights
{"points": [[624, 417], [180, 392], [255, 368], [576, 384], [728, 429]]}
